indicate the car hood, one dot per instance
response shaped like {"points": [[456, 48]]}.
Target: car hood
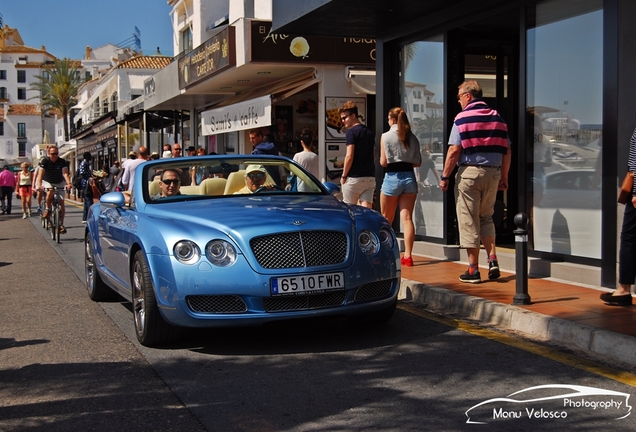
{"points": [[246, 217]]}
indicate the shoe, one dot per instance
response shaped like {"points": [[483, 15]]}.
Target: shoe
{"points": [[29, 213], [407, 262], [474, 278], [62, 229], [83, 221], [45, 214], [493, 270], [618, 300], [24, 216]]}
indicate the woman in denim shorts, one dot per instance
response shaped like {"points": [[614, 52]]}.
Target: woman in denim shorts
{"points": [[399, 154]]}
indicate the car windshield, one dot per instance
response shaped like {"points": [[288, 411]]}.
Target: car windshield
{"points": [[204, 177]]}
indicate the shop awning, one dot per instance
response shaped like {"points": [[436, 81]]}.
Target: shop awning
{"points": [[362, 80]]}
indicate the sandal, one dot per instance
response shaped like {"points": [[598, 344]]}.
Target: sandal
{"points": [[62, 229]]}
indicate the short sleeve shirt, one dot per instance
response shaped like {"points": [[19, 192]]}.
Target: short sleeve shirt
{"points": [[363, 164], [53, 170]]}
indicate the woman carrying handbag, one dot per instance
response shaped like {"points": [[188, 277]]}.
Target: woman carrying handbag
{"points": [[627, 252]]}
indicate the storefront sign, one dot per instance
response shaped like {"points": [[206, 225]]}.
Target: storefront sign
{"points": [[216, 54], [273, 47], [240, 116]]}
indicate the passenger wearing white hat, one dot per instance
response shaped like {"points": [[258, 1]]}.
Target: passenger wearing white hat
{"points": [[255, 178]]}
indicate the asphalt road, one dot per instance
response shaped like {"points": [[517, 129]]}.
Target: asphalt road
{"points": [[67, 363]]}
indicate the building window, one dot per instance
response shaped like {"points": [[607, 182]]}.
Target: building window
{"points": [[21, 76], [425, 66], [3, 74], [21, 130], [87, 75], [22, 149], [564, 127], [22, 93], [186, 40], [3, 93], [1, 128], [46, 75]]}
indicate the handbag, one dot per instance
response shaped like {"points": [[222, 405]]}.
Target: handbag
{"points": [[625, 192]]}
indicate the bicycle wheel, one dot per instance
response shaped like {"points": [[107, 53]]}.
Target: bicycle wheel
{"points": [[57, 214], [54, 223]]}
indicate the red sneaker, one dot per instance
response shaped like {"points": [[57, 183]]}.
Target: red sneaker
{"points": [[407, 262]]}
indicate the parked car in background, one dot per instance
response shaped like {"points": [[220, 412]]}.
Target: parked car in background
{"points": [[217, 254]]}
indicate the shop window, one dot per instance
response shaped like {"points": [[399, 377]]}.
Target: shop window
{"points": [[564, 126], [424, 68]]}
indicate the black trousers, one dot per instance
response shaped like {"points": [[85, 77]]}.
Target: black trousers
{"points": [[627, 251], [7, 196]]}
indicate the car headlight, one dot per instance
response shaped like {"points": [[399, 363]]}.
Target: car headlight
{"points": [[369, 242], [386, 238], [220, 253], [187, 252]]}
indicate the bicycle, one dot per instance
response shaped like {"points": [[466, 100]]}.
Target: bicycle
{"points": [[52, 220]]}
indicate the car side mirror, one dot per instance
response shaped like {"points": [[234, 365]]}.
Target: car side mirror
{"points": [[331, 187], [113, 200]]}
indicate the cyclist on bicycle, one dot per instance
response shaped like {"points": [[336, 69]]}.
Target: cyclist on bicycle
{"points": [[53, 173]]}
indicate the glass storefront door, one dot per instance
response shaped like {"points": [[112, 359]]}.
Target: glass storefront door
{"points": [[564, 125]]}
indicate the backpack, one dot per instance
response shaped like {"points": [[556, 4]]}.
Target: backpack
{"points": [[77, 181]]}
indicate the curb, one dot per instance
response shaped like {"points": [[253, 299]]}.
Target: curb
{"points": [[603, 345]]}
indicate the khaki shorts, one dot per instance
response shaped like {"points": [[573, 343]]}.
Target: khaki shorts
{"points": [[47, 185], [357, 189], [475, 195]]}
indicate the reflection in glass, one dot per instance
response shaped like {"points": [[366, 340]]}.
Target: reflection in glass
{"points": [[423, 102], [564, 124]]}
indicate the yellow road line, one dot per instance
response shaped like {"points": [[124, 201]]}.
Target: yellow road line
{"points": [[532, 347]]}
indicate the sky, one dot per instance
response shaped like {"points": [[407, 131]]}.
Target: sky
{"points": [[66, 27]]}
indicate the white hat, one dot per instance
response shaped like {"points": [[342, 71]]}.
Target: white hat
{"points": [[166, 154], [252, 168]]}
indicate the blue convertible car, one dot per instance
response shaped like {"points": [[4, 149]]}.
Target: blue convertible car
{"points": [[234, 240]]}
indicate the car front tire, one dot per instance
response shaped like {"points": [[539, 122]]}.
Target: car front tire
{"points": [[96, 287], [150, 327]]}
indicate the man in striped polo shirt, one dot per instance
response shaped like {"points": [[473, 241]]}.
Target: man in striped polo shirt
{"points": [[480, 146]]}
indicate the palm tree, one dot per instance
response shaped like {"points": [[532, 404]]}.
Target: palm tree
{"points": [[431, 124], [59, 90]]}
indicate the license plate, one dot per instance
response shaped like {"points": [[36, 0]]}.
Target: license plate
{"points": [[307, 284]]}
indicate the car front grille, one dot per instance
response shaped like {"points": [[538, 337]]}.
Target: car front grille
{"points": [[300, 249], [304, 302], [374, 290], [216, 304]]}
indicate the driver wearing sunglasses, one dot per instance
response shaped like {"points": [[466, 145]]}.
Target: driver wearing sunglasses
{"points": [[169, 183]]}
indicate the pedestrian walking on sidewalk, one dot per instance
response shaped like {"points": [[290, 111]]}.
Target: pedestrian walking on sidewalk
{"points": [[627, 252], [7, 186], [25, 184], [399, 155], [85, 172], [480, 147]]}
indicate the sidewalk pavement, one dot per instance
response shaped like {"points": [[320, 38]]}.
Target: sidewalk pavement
{"points": [[567, 315]]}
